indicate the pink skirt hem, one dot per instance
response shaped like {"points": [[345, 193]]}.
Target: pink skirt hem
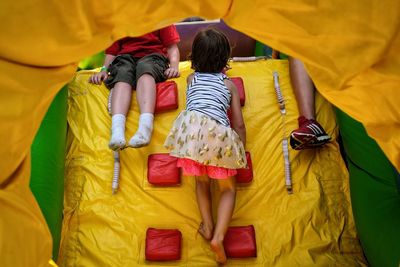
{"points": [[191, 167]]}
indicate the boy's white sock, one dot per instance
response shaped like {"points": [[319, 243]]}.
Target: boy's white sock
{"points": [[142, 136], [117, 140]]}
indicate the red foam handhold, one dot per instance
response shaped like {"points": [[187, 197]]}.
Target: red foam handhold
{"points": [[240, 242], [167, 96], [245, 175], [238, 81], [162, 170], [163, 244]]}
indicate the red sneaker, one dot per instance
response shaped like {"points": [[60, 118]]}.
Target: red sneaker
{"points": [[310, 134]]}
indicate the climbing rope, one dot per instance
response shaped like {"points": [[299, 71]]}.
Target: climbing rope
{"points": [[246, 59], [117, 165], [285, 148]]}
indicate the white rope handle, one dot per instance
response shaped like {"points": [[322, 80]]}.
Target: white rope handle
{"points": [[109, 101], [288, 174], [246, 59], [285, 148], [279, 93], [115, 180], [117, 165]]}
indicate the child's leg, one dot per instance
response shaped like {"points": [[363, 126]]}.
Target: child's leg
{"points": [[310, 133], [303, 88], [203, 195], [146, 97], [120, 102], [224, 215]]}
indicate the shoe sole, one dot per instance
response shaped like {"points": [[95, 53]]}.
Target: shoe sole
{"points": [[323, 138], [305, 143]]}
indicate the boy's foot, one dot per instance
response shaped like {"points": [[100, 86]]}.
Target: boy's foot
{"points": [[117, 140], [310, 134], [143, 135], [140, 139], [219, 251]]}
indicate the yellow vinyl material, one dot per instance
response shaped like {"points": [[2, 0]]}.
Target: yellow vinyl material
{"points": [[350, 48], [312, 227]]}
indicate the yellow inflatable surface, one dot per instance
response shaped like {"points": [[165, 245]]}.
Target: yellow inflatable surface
{"points": [[312, 227], [351, 49]]}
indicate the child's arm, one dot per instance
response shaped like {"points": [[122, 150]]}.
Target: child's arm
{"points": [[189, 78], [107, 61], [173, 56], [111, 53], [97, 78], [236, 110]]}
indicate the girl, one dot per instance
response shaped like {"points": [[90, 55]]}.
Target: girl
{"points": [[202, 138]]}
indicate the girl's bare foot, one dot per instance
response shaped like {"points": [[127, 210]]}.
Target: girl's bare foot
{"points": [[218, 248], [206, 232]]}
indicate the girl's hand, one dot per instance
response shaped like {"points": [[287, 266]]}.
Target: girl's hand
{"points": [[98, 77], [171, 73], [225, 69]]}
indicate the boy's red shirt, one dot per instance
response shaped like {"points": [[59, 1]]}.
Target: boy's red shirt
{"points": [[154, 42]]}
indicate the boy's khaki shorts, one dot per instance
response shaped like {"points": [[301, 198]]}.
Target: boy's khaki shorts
{"points": [[126, 68]]}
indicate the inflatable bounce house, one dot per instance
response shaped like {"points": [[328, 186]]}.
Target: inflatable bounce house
{"points": [[67, 200]]}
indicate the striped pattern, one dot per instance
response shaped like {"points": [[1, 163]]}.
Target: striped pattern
{"points": [[208, 94], [315, 129]]}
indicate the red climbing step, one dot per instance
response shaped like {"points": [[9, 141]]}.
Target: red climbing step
{"points": [[163, 244], [238, 81], [245, 175], [240, 242], [167, 96], [162, 170]]}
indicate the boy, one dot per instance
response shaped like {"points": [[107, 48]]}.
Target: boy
{"points": [[310, 133], [138, 62]]}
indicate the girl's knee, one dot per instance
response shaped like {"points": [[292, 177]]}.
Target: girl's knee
{"points": [[227, 185], [231, 190], [202, 180]]}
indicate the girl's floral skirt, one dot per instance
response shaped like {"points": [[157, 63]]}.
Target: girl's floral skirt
{"points": [[204, 146]]}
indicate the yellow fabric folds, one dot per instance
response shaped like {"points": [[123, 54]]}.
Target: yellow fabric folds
{"points": [[312, 227], [351, 49], [25, 94], [24, 234]]}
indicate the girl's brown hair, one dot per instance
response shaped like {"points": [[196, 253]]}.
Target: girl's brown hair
{"points": [[210, 51]]}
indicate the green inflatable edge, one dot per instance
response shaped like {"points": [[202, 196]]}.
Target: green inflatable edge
{"points": [[47, 169], [375, 194], [92, 62]]}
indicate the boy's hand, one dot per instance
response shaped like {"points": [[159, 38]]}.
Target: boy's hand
{"points": [[171, 73], [98, 77]]}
